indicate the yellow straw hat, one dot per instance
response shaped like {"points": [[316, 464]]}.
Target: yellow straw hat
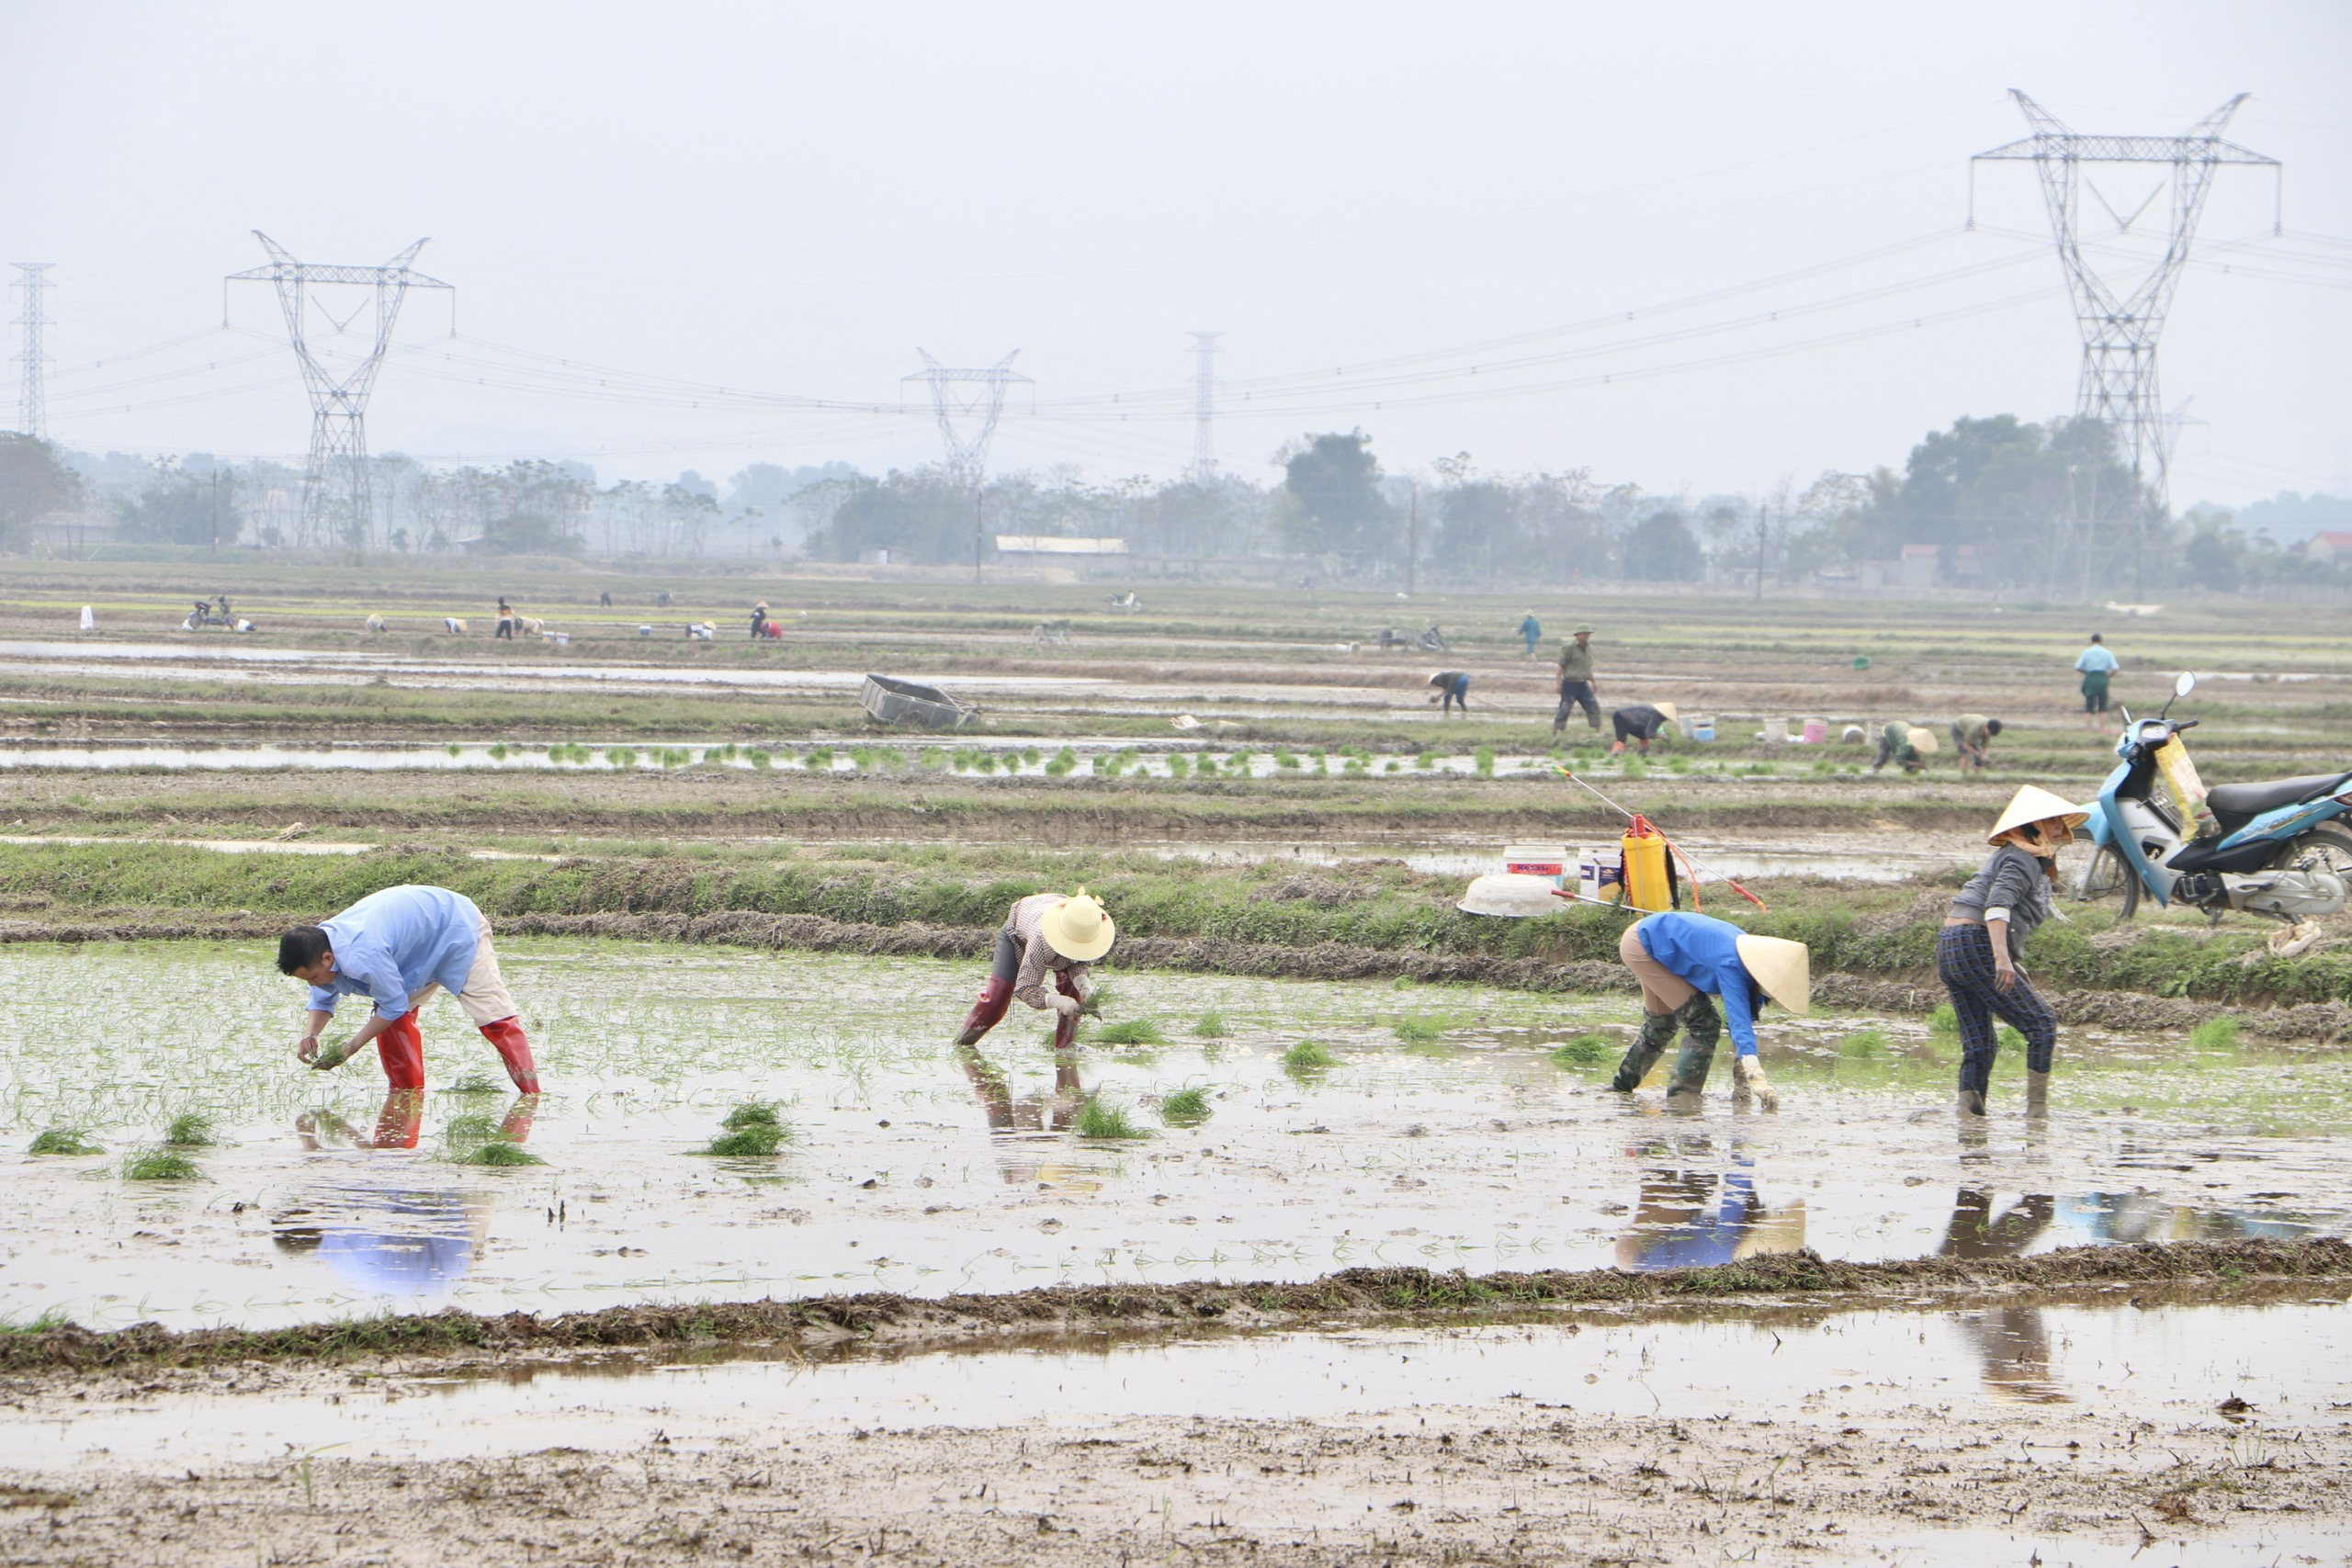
{"points": [[1922, 740], [1673, 714], [1079, 929], [2034, 804], [1782, 968]]}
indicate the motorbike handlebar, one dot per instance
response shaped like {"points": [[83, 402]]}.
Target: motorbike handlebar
{"points": [[2184, 724]]}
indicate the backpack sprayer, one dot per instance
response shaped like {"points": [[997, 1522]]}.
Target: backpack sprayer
{"points": [[1649, 884]]}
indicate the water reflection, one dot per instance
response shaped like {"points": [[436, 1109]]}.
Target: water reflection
{"points": [[1044, 1112], [2012, 1342], [1692, 1213]]}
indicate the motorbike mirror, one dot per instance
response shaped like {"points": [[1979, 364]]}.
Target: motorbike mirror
{"points": [[2185, 685]]}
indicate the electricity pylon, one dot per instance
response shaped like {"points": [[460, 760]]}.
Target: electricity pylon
{"points": [[32, 396], [337, 506], [967, 451], [2119, 326], [1204, 406]]}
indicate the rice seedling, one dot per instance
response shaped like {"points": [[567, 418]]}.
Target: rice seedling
{"points": [[621, 756], [1636, 768], [500, 1152], [2215, 1034], [1584, 1050], [753, 1130], [1178, 767], [1863, 1044], [1943, 1020], [455, 750], [1422, 1028], [1426, 760], [1096, 1119], [1284, 757], [1186, 1107], [1483, 762], [189, 1130], [48, 1320], [1210, 1025], [474, 1083], [1130, 1031], [753, 1114], [760, 758], [1307, 1055], [64, 1141], [498, 752], [160, 1164]]}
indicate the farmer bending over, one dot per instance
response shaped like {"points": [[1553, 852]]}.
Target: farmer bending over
{"points": [[1685, 960], [1045, 935], [1641, 724], [398, 947], [1972, 733], [1451, 687], [1907, 744]]}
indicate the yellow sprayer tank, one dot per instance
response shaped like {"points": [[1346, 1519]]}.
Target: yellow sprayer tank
{"points": [[1646, 886]]}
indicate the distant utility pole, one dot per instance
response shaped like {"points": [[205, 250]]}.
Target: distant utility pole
{"points": [[1204, 406], [338, 505], [967, 450], [32, 397], [1412, 533], [1761, 515], [2120, 327]]}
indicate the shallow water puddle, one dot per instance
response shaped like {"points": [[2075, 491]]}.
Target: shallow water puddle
{"points": [[919, 1169], [2289, 1362]]}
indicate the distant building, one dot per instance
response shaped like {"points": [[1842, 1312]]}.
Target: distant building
{"points": [[1056, 545], [2324, 546]]}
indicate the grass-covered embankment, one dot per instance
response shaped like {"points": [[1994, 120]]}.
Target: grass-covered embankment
{"points": [[1177, 913]]}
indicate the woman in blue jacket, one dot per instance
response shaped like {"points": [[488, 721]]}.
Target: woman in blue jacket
{"points": [[1684, 962]]}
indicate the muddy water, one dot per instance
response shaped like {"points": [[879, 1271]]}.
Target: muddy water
{"points": [[2292, 1363], [918, 1168]]}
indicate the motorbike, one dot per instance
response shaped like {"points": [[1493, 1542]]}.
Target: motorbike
{"points": [[2282, 849], [1430, 641]]}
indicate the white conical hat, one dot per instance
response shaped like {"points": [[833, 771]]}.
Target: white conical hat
{"points": [[1673, 714], [2033, 804], [1782, 968], [1922, 740], [1079, 929]]}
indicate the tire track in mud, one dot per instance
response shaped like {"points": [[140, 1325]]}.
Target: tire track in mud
{"points": [[1352, 1295], [2129, 1012]]}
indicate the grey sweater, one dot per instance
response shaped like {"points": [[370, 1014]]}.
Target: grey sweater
{"points": [[2013, 884]]}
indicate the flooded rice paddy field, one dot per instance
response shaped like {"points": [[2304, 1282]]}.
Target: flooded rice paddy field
{"points": [[1451, 1131]]}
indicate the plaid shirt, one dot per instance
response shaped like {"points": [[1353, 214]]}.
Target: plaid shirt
{"points": [[1038, 961]]}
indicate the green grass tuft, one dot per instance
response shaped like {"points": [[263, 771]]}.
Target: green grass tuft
{"points": [[2215, 1034], [189, 1130], [1863, 1044], [160, 1164], [64, 1141], [2008, 1039], [470, 1129], [1187, 1106], [1096, 1119], [1584, 1050], [1943, 1020], [1307, 1055], [500, 1152], [1210, 1025], [1422, 1028], [473, 1083], [1132, 1031], [753, 1114], [49, 1320], [756, 1140]]}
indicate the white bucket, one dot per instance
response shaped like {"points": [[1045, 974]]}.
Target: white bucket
{"points": [[1537, 860], [1776, 730], [1601, 874]]}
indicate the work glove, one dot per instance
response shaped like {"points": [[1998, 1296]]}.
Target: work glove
{"points": [[1066, 1006], [1748, 1079]]}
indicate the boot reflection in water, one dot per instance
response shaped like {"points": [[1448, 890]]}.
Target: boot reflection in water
{"points": [[397, 1125], [1044, 1111]]}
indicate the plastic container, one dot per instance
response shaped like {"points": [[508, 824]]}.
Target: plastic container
{"points": [[1601, 874], [1702, 729], [1646, 884], [1817, 732], [1538, 859], [1776, 730]]}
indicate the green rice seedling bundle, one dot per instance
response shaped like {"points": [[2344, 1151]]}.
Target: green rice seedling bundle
{"points": [[454, 750], [64, 1141], [1426, 760], [1421, 1028], [1210, 1025], [473, 1083], [754, 1113], [1636, 769], [1130, 1031], [1483, 759], [1238, 764], [1186, 1107], [1178, 767], [500, 1152], [1863, 1044], [754, 1129], [1097, 1120], [160, 1164], [1307, 1055], [760, 758], [189, 1130], [1031, 756], [498, 750], [1584, 1050], [621, 756], [2215, 1034], [1284, 757]]}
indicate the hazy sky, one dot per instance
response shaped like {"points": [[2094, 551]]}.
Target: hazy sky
{"points": [[791, 200]]}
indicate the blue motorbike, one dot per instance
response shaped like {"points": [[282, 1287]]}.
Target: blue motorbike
{"points": [[2281, 850]]}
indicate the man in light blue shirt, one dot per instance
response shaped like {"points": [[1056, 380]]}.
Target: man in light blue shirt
{"points": [[396, 948], [2097, 664]]}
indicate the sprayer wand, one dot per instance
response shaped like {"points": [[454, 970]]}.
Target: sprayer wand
{"points": [[1696, 869]]}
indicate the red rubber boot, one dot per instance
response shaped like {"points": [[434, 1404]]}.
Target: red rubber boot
{"points": [[515, 1050], [988, 1012], [401, 1050], [1065, 1023]]}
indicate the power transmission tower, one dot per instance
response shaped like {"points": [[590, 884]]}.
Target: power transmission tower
{"points": [[1204, 406], [967, 451], [337, 506], [32, 397], [2119, 326]]}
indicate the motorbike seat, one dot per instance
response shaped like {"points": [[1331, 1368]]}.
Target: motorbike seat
{"points": [[2251, 800]]}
